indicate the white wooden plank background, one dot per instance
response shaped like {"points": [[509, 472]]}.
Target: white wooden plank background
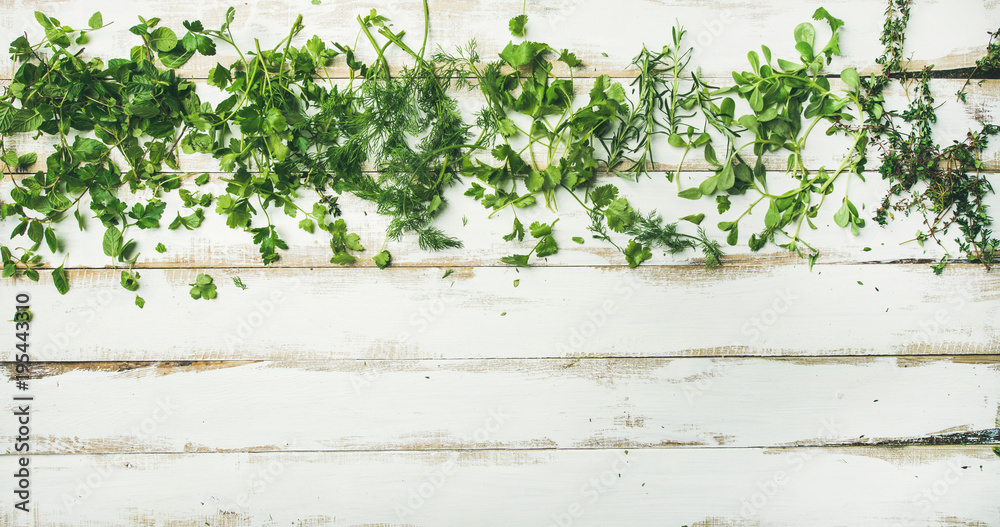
{"points": [[862, 393], [956, 486], [522, 404], [476, 312]]}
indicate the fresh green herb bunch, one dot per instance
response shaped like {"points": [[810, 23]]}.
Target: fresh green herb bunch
{"points": [[271, 91], [411, 129], [988, 64], [88, 111], [542, 145], [667, 97], [945, 185], [787, 101], [395, 136]]}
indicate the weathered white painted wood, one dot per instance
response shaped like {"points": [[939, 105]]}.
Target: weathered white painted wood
{"points": [[948, 486], [948, 34], [617, 321], [306, 314], [487, 404]]}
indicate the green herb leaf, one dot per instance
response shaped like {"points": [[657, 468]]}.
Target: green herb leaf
{"points": [[203, 288], [851, 78], [694, 218], [163, 39], [112, 242], [843, 215], [517, 25], [59, 280], [519, 260], [636, 253], [692, 193], [382, 259], [805, 33]]}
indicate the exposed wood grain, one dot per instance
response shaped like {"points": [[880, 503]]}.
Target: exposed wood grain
{"points": [[299, 314], [949, 486], [511, 404], [948, 34]]}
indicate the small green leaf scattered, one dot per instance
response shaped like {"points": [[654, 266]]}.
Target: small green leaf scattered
{"points": [[203, 288]]}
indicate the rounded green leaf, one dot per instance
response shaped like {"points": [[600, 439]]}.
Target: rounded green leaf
{"points": [[843, 216], [805, 32], [851, 78], [756, 101], [163, 39], [727, 178], [112, 242]]}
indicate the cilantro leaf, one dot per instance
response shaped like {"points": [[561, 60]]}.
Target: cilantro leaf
{"points": [[189, 222], [569, 58], [636, 253], [523, 53], [546, 247], [147, 216], [619, 215], [382, 259], [519, 260], [539, 229], [518, 232], [517, 24]]}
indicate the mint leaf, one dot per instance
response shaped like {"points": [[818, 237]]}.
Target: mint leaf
{"points": [[59, 280]]}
